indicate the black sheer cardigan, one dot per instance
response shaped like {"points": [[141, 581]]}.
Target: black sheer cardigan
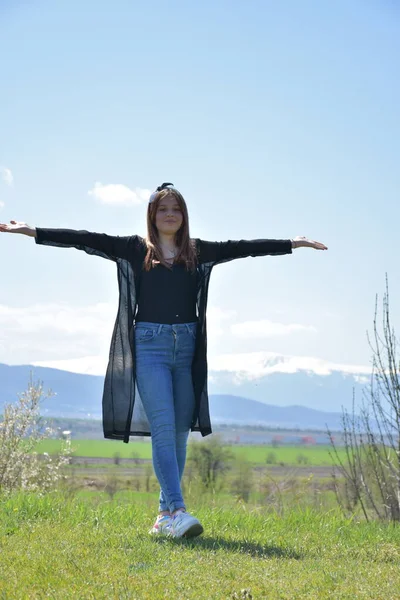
{"points": [[123, 413]]}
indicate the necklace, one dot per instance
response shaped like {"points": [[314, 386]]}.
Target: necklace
{"points": [[172, 253]]}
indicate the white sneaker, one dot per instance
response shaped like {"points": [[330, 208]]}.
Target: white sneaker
{"points": [[161, 526], [183, 524]]}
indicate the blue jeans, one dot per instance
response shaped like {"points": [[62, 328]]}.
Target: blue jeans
{"points": [[164, 355]]}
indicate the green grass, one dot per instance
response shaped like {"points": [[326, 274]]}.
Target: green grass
{"points": [[99, 448], [289, 455], [89, 547]]}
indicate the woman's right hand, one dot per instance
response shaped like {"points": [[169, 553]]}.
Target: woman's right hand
{"points": [[18, 227]]}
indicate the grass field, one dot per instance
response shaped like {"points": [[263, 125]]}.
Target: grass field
{"points": [[288, 455], [89, 547]]}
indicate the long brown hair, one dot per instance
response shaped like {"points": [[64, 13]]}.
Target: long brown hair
{"points": [[186, 247]]}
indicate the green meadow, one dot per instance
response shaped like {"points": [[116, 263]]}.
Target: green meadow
{"points": [[266, 536], [87, 546], [288, 455]]}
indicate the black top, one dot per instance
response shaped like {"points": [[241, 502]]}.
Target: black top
{"points": [[167, 295], [123, 412]]}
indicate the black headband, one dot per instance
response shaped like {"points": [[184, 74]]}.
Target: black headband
{"points": [[161, 187]]}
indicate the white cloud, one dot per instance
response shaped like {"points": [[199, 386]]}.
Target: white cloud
{"points": [[67, 320], [86, 365], [1, 204], [265, 328], [254, 365], [117, 194], [216, 318], [6, 175], [77, 339], [363, 379], [73, 338]]}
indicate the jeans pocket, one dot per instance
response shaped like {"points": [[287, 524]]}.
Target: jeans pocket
{"points": [[145, 335]]}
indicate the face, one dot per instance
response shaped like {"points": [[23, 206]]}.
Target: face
{"points": [[169, 216]]}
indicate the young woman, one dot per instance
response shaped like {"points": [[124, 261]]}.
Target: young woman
{"points": [[156, 379]]}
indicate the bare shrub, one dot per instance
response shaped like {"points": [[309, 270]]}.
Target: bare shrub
{"points": [[21, 429], [274, 491], [148, 474], [282, 493], [135, 457], [112, 484], [242, 484], [372, 438]]}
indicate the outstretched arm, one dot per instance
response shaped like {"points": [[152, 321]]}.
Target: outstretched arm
{"points": [[101, 244], [224, 251]]}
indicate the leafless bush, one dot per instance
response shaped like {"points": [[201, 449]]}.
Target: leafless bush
{"points": [[21, 428], [282, 493], [242, 484], [148, 475], [372, 437], [111, 485]]}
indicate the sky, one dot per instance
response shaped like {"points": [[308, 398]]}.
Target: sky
{"points": [[272, 119]]}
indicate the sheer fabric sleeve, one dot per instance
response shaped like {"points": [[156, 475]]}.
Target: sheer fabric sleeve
{"points": [[100, 244], [223, 251]]}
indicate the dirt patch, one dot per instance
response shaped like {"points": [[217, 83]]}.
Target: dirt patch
{"points": [[134, 466]]}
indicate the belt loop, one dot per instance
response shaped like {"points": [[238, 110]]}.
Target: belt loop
{"points": [[159, 329]]}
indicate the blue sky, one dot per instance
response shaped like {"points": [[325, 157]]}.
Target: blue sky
{"points": [[273, 120]]}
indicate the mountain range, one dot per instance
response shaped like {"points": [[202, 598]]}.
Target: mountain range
{"points": [[293, 397]]}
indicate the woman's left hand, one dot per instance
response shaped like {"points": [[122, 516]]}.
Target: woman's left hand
{"points": [[301, 241]]}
